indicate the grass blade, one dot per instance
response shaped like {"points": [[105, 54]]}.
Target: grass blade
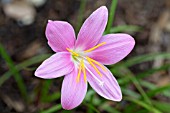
{"points": [[111, 15], [163, 106], [144, 58], [144, 105], [53, 109], [138, 86], [126, 80], [91, 108], [80, 16], [152, 71], [23, 65], [125, 28], [157, 90], [14, 71], [45, 89]]}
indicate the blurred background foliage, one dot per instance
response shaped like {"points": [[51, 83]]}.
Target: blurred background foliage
{"points": [[144, 76]]}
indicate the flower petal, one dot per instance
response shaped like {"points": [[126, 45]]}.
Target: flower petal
{"points": [[106, 86], [116, 48], [60, 35], [92, 29], [73, 92], [57, 65]]}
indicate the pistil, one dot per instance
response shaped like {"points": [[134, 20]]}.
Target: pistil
{"points": [[101, 83]]}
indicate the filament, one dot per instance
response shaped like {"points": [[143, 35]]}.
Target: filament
{"points": [[79, 72], [89, 60], [101, 83], [101, 66], [93, 48]]}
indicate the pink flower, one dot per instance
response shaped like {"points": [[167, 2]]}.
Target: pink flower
{"points": [[83, 60]]}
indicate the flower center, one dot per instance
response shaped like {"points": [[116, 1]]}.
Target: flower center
{"points": [[81, 60]]}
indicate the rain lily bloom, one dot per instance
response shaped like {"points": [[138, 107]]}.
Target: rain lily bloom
{"points": [[82, 60]]}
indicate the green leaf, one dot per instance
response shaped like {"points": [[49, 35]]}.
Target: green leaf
{"points": [[162, 106], [147, 84], [106, 107], [125, 28], [52, 97], [143, 104], [141, 59], [157, 90], [153, 87], [149, 72], [128, 92], [136, 60], [111, 15], [13, 70], [53, 109], [89, 95], [46, 86], [23, 65], [81, 13], [91, 108], [137, 85]]}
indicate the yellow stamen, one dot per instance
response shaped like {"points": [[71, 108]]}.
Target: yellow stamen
{"points": [[81, 67], [84, 70], [79, 72], [91, 63], [71, 51], [93, 48], [101, 66]]}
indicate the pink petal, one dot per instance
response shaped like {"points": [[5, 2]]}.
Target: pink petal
{"points": [[60, 35], [92, 29], [73, 92], [116, 48], [108, 88], [57, 65]]}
